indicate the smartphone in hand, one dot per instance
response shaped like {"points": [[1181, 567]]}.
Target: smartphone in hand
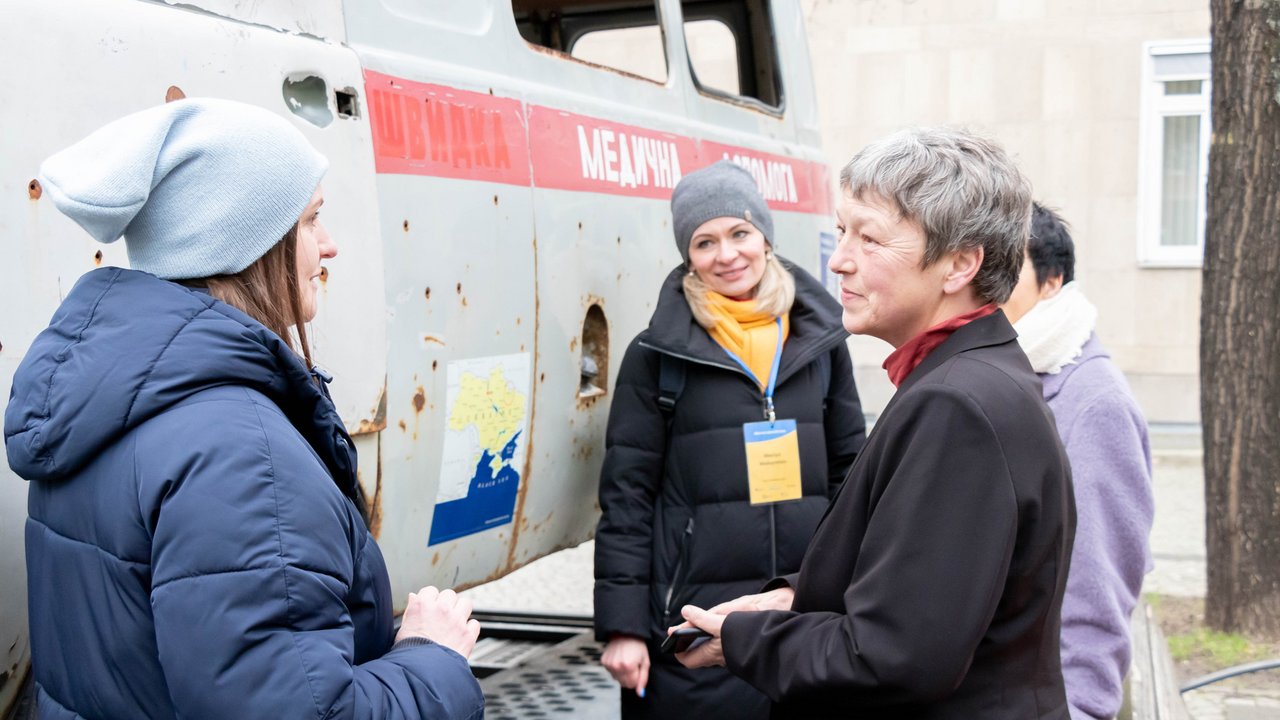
{"points": [[683, 639]]}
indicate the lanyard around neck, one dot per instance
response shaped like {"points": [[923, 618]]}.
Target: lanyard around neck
{"points": [[773, 373]]}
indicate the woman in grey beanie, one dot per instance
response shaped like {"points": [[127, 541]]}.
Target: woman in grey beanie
{"points": [[197, 543], [744, 357]]}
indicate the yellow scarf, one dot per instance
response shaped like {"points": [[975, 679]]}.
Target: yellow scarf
{"points": [[747, 333]]}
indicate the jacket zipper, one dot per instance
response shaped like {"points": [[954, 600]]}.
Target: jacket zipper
{"points": [[675, 576]]}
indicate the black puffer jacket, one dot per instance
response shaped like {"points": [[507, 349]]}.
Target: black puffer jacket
{"points": [[677, 524]]}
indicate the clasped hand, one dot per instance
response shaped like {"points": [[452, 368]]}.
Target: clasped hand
{"points": [[711, 653]]}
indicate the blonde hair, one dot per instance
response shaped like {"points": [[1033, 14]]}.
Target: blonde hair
{"points": [[775, 293], [269, 291]]}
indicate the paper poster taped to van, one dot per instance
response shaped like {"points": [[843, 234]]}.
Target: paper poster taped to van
{"points": [[486, 416]]}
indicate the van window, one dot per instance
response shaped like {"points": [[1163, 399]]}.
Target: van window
{"points": [[624, 35], [732, 48], [713, 55]]}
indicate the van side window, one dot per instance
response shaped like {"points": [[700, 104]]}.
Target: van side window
{"points": [[625, 35], [732, 49]]}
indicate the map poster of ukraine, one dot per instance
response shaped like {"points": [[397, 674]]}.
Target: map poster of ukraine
{"points": [[486, 418]]}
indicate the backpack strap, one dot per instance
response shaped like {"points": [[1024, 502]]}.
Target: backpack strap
{"points": [[670, 383], [824, 373]]}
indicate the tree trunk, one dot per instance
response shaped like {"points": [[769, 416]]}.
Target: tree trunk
{"points": [[1240, 322]]}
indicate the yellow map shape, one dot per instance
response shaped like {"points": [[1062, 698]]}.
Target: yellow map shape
{"points": [[493, 406]]}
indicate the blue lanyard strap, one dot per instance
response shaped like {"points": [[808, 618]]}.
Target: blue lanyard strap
{"points": [[773, 373]]}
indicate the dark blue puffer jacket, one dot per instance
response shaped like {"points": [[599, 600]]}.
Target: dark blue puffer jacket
{"points": [[193, 549]]}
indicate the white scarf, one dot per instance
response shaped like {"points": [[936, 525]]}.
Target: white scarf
{"points": [[1054, 331]]}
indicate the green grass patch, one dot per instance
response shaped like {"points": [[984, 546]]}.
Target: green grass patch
{"points": [[1220, 649]]}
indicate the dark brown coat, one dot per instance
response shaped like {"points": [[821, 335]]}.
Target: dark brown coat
{"points": [[933, 586]]}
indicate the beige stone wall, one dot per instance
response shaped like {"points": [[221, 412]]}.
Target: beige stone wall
{"points": [[1058, 82]]}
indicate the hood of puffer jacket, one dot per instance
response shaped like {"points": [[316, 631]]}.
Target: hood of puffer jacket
{"points": [[123, 347]]}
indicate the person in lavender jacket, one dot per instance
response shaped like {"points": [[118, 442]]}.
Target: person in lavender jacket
{"points": [[1105, 436]]}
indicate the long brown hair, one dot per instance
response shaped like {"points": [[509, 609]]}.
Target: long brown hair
{"points": [[268, 291]]}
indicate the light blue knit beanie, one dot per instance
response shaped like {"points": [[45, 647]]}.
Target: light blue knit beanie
{"points": [[196, 187]]}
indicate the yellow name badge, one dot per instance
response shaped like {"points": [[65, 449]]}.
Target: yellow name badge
{"points": [[773, 461]]}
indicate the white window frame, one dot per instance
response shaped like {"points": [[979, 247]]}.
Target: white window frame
{"points": [[1156, 106]]}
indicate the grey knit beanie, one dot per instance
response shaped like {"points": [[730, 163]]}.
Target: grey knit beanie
{"points": [[196, 187], [720, 190]]}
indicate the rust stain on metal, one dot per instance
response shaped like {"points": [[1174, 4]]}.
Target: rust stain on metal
{"points": [[542, 377], [573, 344], [464, 301], [34, 191], [435, 559], [378, 422], [419, 400], [173, 93], [376, 511], [495, 200], [374, 504], [324, 274], [459, 288], [97, 259], [403, 426], [428, 293], [434, 365], [433, 339], [526, 477], [406, 226], [616, 71]]}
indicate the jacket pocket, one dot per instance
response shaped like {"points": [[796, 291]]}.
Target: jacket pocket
{"points": [[678, 575]]}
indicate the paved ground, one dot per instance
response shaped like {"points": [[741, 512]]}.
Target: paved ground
{"points": [[561, 583]]}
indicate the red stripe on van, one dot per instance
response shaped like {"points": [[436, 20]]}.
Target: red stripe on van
{"points": [[423, 129]]}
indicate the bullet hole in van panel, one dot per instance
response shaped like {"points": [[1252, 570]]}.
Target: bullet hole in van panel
{"points": [[307, 96], [594, 364], [97, 258], [34, 191]]}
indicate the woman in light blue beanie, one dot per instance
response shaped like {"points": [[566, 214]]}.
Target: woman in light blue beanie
{"points": [[197, 542]]}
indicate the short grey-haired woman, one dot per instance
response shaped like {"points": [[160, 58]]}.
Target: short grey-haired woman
{"points": [[932, 588], [739, 339]]}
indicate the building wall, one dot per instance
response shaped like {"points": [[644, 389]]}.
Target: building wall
{"points": [[1058, 82]]}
